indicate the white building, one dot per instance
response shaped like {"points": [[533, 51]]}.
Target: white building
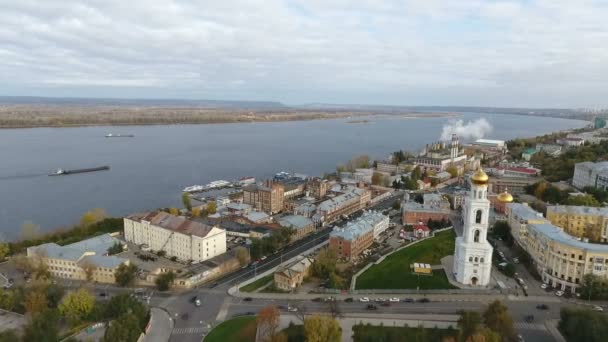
{"points": [[375, 219], [590, 174], [176, 235], [473, 255]]}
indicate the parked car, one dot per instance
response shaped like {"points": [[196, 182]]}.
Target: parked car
{"points": [[529, 318], [247, 299], [597, 308], [543, 286], [559, 293], [318, 299], [542, 307], [520, 338], [386, 304], [197, 302], [408, 300], [349, 300], [364, 299], [371, 307], [292, 309], [394, 300], [424, 300], [380, 300]]}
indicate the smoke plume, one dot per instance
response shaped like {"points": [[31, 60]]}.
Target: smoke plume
{"points": [[471, 130]]}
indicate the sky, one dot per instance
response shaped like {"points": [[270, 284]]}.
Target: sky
{"points": [[527, 53]]}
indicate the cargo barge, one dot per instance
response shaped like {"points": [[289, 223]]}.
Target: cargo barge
{"points": [[61, 172]]}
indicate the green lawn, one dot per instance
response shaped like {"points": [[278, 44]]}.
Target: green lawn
{"points": [[394, 272], [257, 284], [295, 333], [240, 329], [365, 333]]}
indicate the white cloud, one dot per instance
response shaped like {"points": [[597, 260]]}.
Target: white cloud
{"points": [[470, 52]]}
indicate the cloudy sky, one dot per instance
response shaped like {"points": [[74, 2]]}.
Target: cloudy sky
{"points": [[545, 53]]}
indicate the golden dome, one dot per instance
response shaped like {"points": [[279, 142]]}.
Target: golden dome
{"points": [[480, 177], [505, 197]]}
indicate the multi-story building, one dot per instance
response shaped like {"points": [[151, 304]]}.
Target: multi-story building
{"points": [[84, 260], [176, 235], [571, 142], [515, 185], [351, 200], [552, 150], [591, 174], [437, 157], [291, 276], [581, 222], [318, 187], [434, 207], [268, 197], [350, 241], [561, 259], [301, 225]]}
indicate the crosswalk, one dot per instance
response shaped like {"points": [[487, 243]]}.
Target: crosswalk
{"points": [[189, 331], [529, 326]]}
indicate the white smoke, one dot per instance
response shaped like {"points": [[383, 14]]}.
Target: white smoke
{"points": [[471, 130]]}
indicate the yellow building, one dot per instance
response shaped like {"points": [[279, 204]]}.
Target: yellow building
{"points": [[579, 221], [561, 259], [291, 276]]}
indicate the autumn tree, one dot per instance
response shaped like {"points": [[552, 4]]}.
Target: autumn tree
{"points": [[4, 250], [163, 282], [123, 328], [77, 305], [186, 201], [43, 328], [89, 269], [196, 212], [322, 329], [211, 207], [36, 301], [242, 255], [125, 274], [173, 211], [30, 231], [92, 216], [268, 322], [497, 318], [469, 323]]}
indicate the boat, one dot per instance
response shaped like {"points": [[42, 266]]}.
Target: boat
{"points": [[218, 184], [246, 181], [112, 135], [194, 188], [61, 172], [281, 175]]}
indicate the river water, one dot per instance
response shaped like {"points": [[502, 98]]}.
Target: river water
{"points": [[149, 170]]}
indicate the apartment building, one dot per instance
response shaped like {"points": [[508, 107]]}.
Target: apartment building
{"points": [[579, 221], [590, 174], [514, 185], [84, 260], [434, 207], [301, 225], [349, 201], [176, 235], [291, 276], [561, 259], [318, 187], [268, 197], [358, 235]]}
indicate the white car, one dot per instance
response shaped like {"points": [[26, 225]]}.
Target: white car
{"points": [[559, 293], [543, 286], [394, 300], [598, 308], [292, 309], [364, 299]]}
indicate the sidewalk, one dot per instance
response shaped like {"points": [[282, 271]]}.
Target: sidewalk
{"points": [[160, 326]]}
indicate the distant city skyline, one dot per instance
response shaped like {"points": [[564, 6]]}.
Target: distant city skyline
{"points": [[526, 53]]}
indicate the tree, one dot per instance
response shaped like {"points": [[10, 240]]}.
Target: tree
{"points": [[268, 322], [115, 248], [242, 255], [36, 301], [322, 329], [196, 212], [397, 205], [89, 270], [173, 211], [43, 328], [54, 294], [377, 178], [92, 216], [125, 328], [186, 201], [30, 230], [4, 250], [469, 324], [124, 303], [163, 282], [125, 274], [325, 263], [416, 173], [211, 207], [497, 318], [77, 305], [583, 325], [8, 336], [585, 200]]}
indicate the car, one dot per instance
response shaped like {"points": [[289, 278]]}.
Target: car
{"points": [[597, 308], [214, 284], [423, 300], [349, 300], [385, 303], [559, 293], [247, 299], [318, 299], [364, 299], [529, 318], [408, 300], [516, 260], [520, 338], [263, 258], [380, 300], [394, 300], [292, 309], [197, 302], [542, 307], [543, 286], [103, 294], [371, 307]]}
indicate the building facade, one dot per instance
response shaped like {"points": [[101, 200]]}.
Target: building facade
{"points": [[349, 201], [434, 207], [583, 222], [177, 236], [267, 198], [292, 276], [473, 253], [590, 174], [301, 225], [350, 241]]}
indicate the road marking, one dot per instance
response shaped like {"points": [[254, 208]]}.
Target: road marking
{"points": [[530, 326], [188, 331], [224, 309]]}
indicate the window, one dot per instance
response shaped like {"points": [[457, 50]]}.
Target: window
{"points": [[480, 259], [476, 237], [478, 216], [470, 259], [476, 259]]}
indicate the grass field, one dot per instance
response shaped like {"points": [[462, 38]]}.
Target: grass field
{"points": [[394, 272], [257, 284], [240, 329], [365, 333]]}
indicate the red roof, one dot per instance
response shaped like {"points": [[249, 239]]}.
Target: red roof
{"points": [[522, 170], [422, 227]]}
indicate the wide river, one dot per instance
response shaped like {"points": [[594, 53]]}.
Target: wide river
{"points": [[149, 170]]}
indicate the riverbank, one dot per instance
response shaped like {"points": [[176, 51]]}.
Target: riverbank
{"points": [[19, 116]]}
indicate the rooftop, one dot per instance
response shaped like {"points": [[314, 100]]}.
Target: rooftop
{"points": [[360, 226], [256, 216], [579, 210], [555, 233], [295, 221], [176, 223], [524, 212], [338, 201]]}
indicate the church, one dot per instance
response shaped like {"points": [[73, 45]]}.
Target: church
{"points": [[473, 254]]}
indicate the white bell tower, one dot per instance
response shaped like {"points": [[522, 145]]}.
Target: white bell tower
{"points": [[473, 255]]}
